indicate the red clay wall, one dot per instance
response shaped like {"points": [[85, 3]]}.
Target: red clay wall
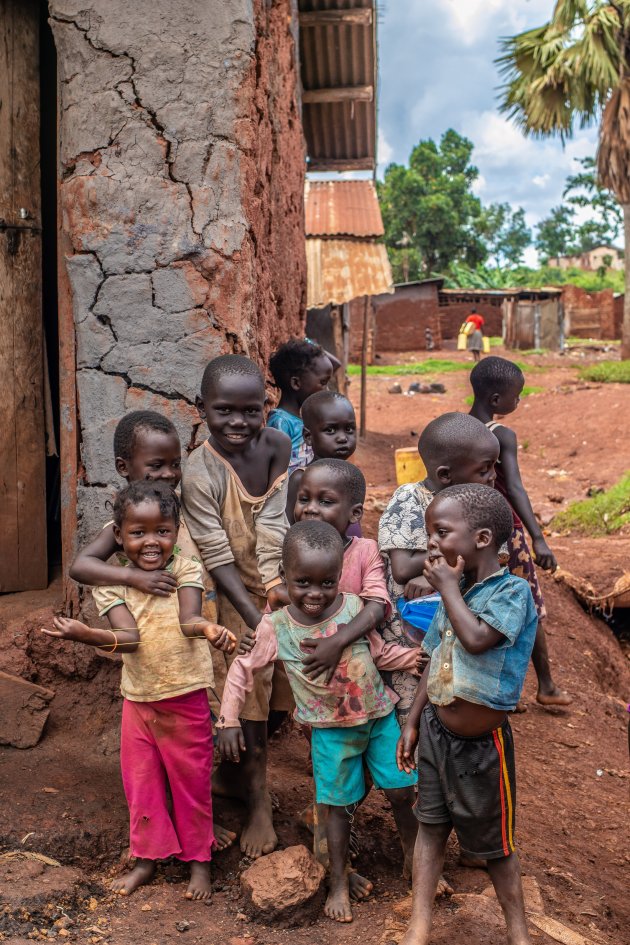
{"points": [[592, 314], [401, 319]]}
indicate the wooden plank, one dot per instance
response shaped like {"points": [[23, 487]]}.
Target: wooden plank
{"points": [[356, 17], [23, 471], [341, 164], [348, 93]]}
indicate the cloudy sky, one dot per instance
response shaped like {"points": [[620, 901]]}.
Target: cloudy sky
{"points": [[437, 71]]}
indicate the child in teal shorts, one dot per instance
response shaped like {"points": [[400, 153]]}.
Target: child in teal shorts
{"points": [[352, 717]]}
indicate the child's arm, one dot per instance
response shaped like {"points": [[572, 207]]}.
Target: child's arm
{"points": [[474, 634], [407, 568], [271, 526], [125, 634], [193, 624], [292, 493], [520, 500], [239, 682], [406, 747], [90, 567]]}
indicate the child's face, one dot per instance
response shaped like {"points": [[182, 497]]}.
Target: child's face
{"points": [[314, 378], [503, 404], [321, 498], [156, 455], [147, 536], [479, 465], [312, 579], [233, 410], [450, 535], [333, 431]]}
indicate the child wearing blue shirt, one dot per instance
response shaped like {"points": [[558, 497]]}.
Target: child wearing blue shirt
{"points": [[480, 642]]}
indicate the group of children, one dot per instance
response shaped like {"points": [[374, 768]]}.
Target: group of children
{"points": [[260, 554]]}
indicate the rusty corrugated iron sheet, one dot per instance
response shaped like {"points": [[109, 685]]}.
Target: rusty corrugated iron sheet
{"points": [[339, 135], [341, 270], [342, 208]]}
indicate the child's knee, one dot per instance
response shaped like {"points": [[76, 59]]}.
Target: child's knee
{"points": [[400, 797]]}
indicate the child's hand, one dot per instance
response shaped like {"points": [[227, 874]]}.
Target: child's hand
{"points": [[247, 641], [406, 748], [230, 743], [158, 583], [417, 587], [220, 637], [324, 655], [421, 661], [441, 575], [278, 597], [543, 555], [66, 629]]}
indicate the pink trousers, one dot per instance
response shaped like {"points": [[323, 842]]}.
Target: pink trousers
{"points": [[169, 740]]}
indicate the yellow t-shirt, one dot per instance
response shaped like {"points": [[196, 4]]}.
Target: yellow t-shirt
{"points": [[166, 663]]}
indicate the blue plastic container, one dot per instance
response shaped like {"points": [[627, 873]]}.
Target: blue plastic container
{"points": [[417, 615]]}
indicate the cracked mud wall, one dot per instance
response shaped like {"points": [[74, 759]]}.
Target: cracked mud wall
{"points": [[182, 171]]}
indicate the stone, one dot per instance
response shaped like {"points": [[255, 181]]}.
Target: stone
{"points": [[284, 887], [101, 405], [25, 711], [395, 389]]}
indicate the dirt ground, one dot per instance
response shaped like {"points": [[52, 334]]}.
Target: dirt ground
{"points": [[63, 799]]}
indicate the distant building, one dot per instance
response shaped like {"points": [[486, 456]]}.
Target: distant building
{"points": [[608, 256]]}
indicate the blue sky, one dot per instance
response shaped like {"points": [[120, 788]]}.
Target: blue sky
{"points": [[437, 71]]}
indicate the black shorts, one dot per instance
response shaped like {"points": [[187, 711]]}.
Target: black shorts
{"points": [[469, 783]]}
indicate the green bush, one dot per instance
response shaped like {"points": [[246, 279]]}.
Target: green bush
{"points": [[430, 366], [607, 372], [600, 515]]}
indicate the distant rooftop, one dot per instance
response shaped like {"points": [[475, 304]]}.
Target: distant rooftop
{"points": [[342, 208]]}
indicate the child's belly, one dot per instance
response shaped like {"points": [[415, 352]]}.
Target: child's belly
{"points": [[469, 718]]}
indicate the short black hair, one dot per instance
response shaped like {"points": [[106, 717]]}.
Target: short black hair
{"points": [[495, 376], [127, 430], [449, 439], [322, 398], [147, 491], [317, 535], [228, 365], [482, 507], [292, 359], [348, 475]]}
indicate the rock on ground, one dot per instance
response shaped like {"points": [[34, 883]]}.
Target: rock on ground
{"points": [[284, 886], [25, 711]]}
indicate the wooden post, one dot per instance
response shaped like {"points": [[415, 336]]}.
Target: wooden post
{"points": [[364, 352]]}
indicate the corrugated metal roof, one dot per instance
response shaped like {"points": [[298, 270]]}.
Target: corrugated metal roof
{"points": [[341, 270], [342, 208], [340, 135]]}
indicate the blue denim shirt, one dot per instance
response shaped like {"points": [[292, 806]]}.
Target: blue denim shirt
{"points": [[494, 678]]}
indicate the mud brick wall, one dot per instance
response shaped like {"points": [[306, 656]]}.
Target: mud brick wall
{"points": [[182, 171], [401, 319], [454, 313], [592, 314]]}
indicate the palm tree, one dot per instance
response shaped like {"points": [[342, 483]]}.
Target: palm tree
{"points": [[572, 71]]}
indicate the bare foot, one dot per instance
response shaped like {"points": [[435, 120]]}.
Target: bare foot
{"points": [[142, 873], [359, 887], [554, 696], [338, 905], [472, 862], [200, 885], [223, 838], [444, 888], [520, 707], [258, 836]]}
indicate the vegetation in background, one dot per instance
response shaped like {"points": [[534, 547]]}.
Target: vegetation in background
{"points": [[430, 366], [607, 372], [602, 514], [482, 277]]}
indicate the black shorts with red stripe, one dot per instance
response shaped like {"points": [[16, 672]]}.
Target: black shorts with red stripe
{"points": [[469, 783]]}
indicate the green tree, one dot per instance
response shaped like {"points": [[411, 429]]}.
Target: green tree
{"points": [[429, 210], [505, 234], [571, 71], [555, 235], [584, 190]]}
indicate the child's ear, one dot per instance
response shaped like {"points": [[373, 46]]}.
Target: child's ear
{"points": [[201, 410], [443, 476], [484, 538], [121, 467], [117, 535], [282, 572], [494, 399], [306, 433], [356, 513], [295, 382]]}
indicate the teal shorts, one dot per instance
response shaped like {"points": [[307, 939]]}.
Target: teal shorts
{"points": [[338, 755]]}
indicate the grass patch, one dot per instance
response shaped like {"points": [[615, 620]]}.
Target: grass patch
{"points": [[607, 372], [525, 393], [430, 366], [535, 351], [601, 515], [495, 342], [589, 341]]}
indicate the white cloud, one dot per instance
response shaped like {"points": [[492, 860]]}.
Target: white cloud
{"points": [[385, 152], [541, 180]]}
